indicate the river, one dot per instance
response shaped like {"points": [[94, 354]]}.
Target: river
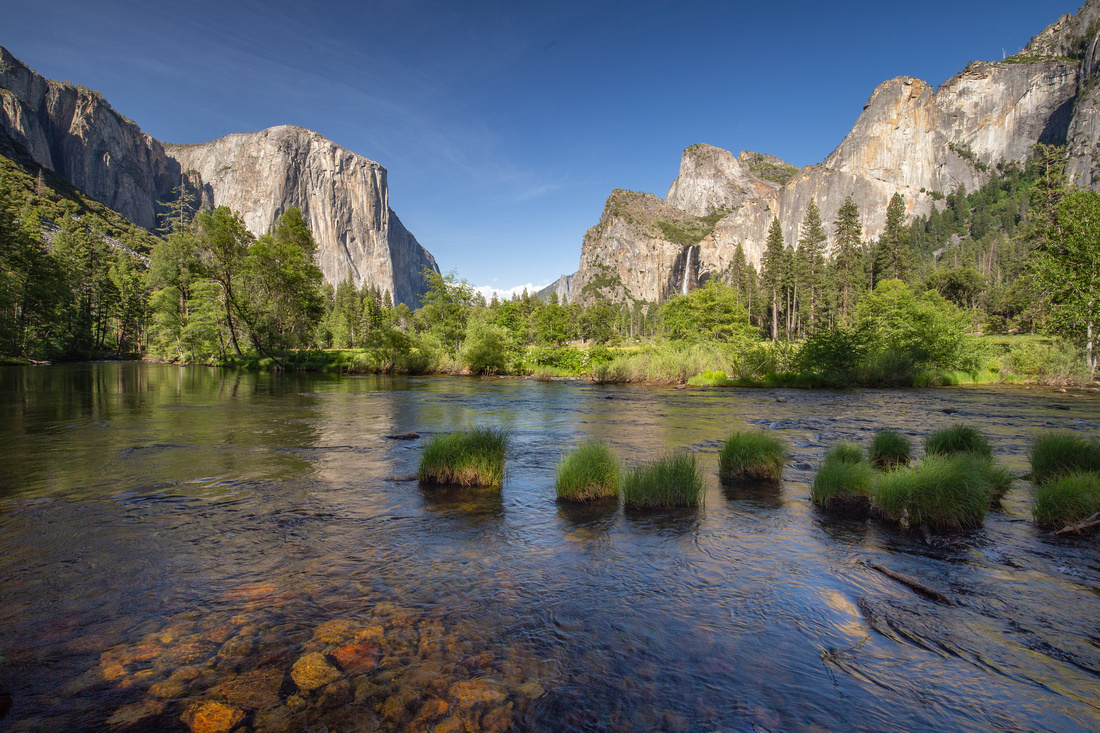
{"points": [[178, 544]]}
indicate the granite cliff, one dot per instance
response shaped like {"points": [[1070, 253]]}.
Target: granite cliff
{"points": [[74, 132], [910, 139]]}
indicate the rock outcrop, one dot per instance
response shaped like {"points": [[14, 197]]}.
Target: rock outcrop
{"points": [[910, 139], [343, 196]]}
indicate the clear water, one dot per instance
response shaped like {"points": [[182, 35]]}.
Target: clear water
{"points": [[170, 536]]}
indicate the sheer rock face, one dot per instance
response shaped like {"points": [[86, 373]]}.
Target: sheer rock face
{"points": [[343, 196], [75, 133], [910, 139]]}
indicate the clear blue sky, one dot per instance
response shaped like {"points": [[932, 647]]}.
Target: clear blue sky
{"points": [[505, 125]]}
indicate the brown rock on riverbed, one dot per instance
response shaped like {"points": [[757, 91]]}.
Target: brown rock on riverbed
{"points": [[313, 671], [212, 717], [357, 657]]}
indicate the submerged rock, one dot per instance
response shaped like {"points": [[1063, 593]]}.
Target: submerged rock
{"points": [[254, 690], [313, 671], [135, 713], [403, 436], [357, 657], [212, 717]]}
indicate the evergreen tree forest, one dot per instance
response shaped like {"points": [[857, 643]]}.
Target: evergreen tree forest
{"points": [[1018, 256]]}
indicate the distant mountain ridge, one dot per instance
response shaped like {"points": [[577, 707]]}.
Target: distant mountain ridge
{"points": [[909, 139], [343, 196]]}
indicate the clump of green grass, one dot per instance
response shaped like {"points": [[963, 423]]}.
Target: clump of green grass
{"points": [[470, 457], [589, 472], [889, 450], [670, 481], [1055, 455], [958, 439], [844, 452], [1067, 500], [751, 455], [844, 486], [945, 492]]}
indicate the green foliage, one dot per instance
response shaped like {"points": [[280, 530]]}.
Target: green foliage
{"points": [[751, 455], [710, 313], [944, 493], [837, 356], [769, 171], [1056, 361], [691, 230], [711, 378], [1067, 500], [889, 450], [589, 472], [843, 486], [489, 348], [847, 257], [1067, 270], [471, 457], [892, 257], [674, 480], [1055, 455], [958, 439], [446, 308]]}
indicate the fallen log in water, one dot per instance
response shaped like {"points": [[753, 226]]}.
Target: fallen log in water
{"points": [[1089, 523], [913, 584]]}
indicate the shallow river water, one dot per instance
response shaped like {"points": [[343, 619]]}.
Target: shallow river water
{"points": [[189, 547]]}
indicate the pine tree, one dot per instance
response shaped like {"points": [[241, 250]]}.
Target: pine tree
{"points": [[892, 257], [846, 260], [772, 275], [811, 246]]}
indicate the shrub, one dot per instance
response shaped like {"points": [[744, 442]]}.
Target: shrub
{"points": [[944, 492], [670, 481], [889, 449], [844, 486], [1055, 455], [1067, 500], [845, 452], [471, 457], [958, 439], [588, 472], [751, 455]]}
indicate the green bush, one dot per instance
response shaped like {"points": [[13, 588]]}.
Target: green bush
{"points": [[958, 439], [889, 450], [844, 486], [673, 480], [589, 472], [1055, 455], [1067, 500], [751, 455], [471, 457], [944, 493], [845, 452], [488, 348]]}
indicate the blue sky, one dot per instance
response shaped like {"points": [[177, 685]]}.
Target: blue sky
{"points": [[505, 125]]}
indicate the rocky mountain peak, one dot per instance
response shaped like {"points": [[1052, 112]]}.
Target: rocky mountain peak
{"points": [[74, 132]]}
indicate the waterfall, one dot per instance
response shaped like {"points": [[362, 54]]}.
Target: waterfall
{"points": [[687, 270]]}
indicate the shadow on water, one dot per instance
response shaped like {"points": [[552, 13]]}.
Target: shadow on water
{"points": [[761, 491], [669, 521], [595, 516], [478, 504]]}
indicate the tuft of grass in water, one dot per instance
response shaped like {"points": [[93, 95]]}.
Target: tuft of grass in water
{"points": [[889, 450], [751, 455], [1067, 500], [958, 439], [944, 492], [845, 452], [470, 457], [1055, 455], [589, 472], [670, 481], [844, 486]]}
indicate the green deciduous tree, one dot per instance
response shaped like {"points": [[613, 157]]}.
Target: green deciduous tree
{"points": [[222, 246], [709, 313], [1067, 269]]}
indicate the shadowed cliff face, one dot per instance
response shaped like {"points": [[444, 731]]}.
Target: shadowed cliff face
{"points": [[910, 139], [344, 197]]}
